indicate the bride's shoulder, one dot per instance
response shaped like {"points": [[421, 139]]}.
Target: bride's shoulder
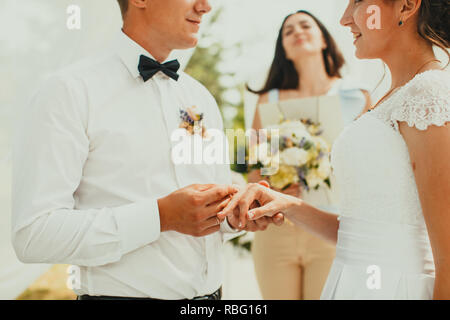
{"points": [[425, 100], [430, 84]]}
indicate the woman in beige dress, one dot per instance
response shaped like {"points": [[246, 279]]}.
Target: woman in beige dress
{"points": [[290, 263]]}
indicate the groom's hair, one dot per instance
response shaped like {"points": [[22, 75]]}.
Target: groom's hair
{"points": [[123, 4]]}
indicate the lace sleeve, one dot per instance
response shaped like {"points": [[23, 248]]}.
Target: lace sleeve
{"points": [[425, 101]]}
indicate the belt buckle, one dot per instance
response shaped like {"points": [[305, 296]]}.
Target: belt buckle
{"points": [[213, 296]]}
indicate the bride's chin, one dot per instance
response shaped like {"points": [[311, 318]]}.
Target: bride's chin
{"points": [[361, 53]]}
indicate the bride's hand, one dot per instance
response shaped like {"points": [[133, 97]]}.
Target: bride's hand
{"points": [[271, 203]]}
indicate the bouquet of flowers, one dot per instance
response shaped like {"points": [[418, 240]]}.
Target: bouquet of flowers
{"points": [[301, 156]]}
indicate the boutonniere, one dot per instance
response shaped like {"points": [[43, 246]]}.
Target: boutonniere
{"points": [[192, 121]]}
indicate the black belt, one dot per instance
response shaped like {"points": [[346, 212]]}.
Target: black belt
{"points": [[217, 295]]}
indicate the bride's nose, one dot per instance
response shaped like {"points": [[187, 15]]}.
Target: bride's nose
{"points": [[347, 17]]}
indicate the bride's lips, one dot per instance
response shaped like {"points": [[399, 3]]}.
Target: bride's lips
{"points": [[356, 36]]}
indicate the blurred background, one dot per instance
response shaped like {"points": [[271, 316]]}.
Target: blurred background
{"points": [[236, 48]]}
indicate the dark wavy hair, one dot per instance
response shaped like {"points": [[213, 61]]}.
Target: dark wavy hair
{"points": [[283, 75]]}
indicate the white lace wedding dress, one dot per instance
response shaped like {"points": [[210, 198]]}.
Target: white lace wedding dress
{"points": [[383, 250]]}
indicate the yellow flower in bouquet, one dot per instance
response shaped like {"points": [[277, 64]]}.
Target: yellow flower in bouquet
{"points": [[285, 176], [313, 153]]}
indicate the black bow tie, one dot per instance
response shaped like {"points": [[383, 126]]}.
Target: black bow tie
{"points": [[149, 67]]}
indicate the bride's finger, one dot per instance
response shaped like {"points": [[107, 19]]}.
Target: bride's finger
{"points": [[268, 210]]}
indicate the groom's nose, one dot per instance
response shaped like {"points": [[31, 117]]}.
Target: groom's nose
{"points": [[202, 6]]}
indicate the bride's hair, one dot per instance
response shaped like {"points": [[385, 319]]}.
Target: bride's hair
{"points": [[283, 75]]}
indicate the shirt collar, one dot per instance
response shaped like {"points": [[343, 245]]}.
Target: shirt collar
{"points": [[130, 51]]}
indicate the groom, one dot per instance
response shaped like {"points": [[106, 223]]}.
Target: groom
{"points": [[94, 184]]}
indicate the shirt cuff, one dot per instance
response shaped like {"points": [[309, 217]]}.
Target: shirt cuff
{"points": [[226, 228], [228, 232], [138, 224]]}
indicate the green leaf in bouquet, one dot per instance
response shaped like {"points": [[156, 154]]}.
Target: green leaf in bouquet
{"points": [[286, 186], [308, 145]]}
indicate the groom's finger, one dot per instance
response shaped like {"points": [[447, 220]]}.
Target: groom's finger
{"points": [[213, 208], [209, 231], [246, 201], [217, 193], [244, 205], [211, 222], [228, 210]]}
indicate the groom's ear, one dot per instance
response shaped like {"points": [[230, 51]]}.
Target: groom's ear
{"points": [[138, 3]]}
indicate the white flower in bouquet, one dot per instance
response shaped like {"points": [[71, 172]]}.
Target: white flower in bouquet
{"points": [[294, 157], [324, 169], [294, 130], [313, 179]]}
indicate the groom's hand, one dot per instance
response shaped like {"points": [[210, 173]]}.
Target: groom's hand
{"points": [[259, 224], [193, 210]]}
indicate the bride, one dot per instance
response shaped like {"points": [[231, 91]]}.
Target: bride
{"points": [[392, 166]]}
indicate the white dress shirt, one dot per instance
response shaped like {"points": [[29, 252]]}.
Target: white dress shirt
{"points": [[90, 161]]}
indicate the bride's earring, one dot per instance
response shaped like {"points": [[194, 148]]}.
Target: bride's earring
{"points": [[400, 23]]}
